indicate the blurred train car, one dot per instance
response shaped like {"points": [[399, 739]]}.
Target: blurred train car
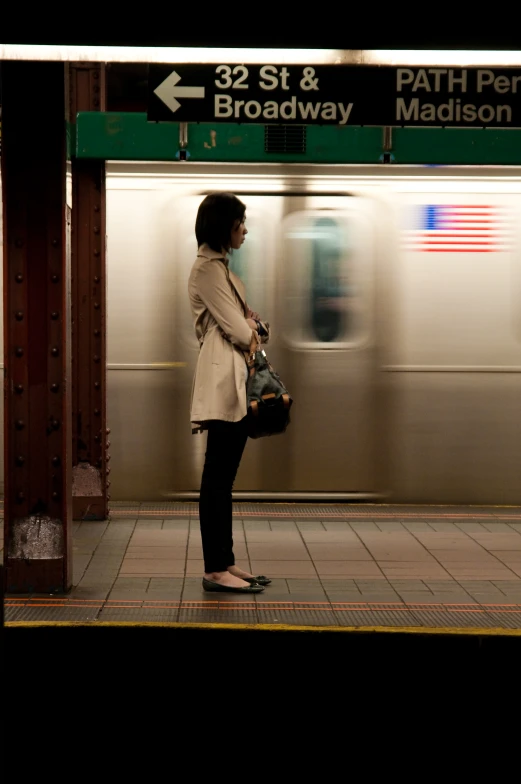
{"points": [[394, 298], [394, 301]]}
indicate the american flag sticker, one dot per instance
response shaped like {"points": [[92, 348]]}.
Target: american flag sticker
{"points": [[458, 228]]}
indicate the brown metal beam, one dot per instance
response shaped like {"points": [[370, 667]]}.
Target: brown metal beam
{"points": [[89, 377], [37, 426]]}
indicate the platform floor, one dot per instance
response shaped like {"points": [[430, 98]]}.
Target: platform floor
{"points": [[333, 566]]}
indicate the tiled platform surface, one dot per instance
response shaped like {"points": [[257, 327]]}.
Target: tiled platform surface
{"points": [[420, 567]]}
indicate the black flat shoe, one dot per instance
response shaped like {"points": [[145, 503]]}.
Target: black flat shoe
{"points": [[260, 580], [209, 585]]}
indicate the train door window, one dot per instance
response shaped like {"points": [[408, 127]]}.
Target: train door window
{"points": [[329, 286], [326, 288]]}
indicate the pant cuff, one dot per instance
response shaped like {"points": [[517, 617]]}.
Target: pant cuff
{"points": [[208, 568]]}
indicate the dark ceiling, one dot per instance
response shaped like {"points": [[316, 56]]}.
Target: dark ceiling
{"points": [[312, 31]]}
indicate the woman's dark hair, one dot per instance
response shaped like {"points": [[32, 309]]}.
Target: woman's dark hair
{"points": [[216, 217]]}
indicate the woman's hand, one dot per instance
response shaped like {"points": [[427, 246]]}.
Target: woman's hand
{"points": [[251, 323], [252, 315]]}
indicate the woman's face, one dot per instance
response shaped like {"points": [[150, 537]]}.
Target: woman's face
{"points": [[238, 234]]}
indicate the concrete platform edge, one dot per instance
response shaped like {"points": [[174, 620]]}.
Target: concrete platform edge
{"points": [[411, 630]]}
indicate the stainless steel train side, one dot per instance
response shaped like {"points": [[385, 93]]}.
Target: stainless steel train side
{"points": [[399, 339]]}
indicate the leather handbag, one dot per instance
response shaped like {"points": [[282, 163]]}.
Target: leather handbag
{"points": [[268, 400]]}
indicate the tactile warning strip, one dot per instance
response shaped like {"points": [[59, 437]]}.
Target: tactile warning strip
{"points": [[39, 613], [218, 615], [300, 617], [505, 620], [139, 614], [321, 511], [369, 617], [374, 614], [439, 618], [359, 614]]}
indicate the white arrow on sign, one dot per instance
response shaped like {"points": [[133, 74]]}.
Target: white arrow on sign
{"points": [[168, 92]]}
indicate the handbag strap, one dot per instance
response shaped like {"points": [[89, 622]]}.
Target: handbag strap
{"points": [[254, 347]]}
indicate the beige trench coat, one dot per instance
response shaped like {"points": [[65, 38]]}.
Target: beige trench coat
{"points": [[219, 308]]}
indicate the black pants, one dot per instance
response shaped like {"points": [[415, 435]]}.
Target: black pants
{"points": [[225, 445]]}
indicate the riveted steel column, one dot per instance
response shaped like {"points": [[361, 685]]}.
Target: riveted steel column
{"points": [[89, 377], [37, 422]]}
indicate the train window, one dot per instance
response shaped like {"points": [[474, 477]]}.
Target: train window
{"points": [[324, 306], [328, 288]]}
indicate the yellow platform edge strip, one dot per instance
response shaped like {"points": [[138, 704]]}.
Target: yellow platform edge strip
{"points": [[447, 630]]}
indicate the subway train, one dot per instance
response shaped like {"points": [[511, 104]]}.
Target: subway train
{"points": [[394, 300]]}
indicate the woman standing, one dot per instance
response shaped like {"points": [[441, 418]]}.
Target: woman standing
{"points": [[224, 326]]}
